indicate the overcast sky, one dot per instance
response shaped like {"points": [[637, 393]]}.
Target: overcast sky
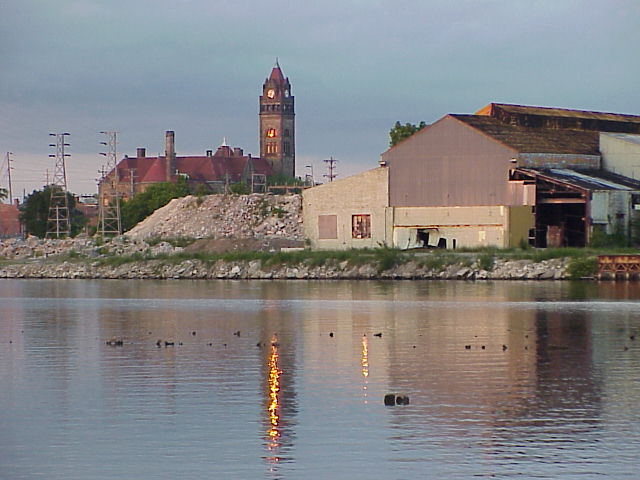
{"points": [[140, 67]]}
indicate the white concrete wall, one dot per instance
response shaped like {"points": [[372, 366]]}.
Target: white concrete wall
{"points": [[469, 226], [366, 193], [621, 154]]}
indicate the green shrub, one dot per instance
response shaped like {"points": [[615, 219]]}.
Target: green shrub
{"points": [[582, 267], [486, 261], [387, 258], [239, 189], [145, 203]]}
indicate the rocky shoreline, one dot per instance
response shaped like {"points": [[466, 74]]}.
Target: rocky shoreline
{"points": [[124, 258], [255, 270]]}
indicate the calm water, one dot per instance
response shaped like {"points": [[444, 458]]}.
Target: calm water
{"points": [[562, 401]]}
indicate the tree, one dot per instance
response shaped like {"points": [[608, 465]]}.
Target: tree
{"points": [[145, 203], [3, 193], [34, 212], [400, 132], [239, 188]]}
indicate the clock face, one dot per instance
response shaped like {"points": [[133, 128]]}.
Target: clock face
{"points": [[271, 93]]}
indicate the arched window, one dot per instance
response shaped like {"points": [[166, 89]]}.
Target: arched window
{"points": [[286, 132], [271, 133]]}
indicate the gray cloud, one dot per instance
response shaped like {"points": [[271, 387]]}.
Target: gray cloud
{"points": [[197, 66]]}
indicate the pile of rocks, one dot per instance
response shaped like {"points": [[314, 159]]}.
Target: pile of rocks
{"points": [[37, 248], [225, 216]]}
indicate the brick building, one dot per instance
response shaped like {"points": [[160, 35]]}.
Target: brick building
{"points": [[215, 171]]}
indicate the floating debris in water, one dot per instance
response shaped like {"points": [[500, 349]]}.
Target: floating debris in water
{"points": [[391, 399]]}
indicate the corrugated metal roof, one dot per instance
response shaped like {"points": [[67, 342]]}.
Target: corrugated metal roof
{"points": [[528, 140], [559, 112], [588, 180]]}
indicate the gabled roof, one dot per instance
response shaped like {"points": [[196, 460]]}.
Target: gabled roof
{"points": [[528, 140], [146, 169], [224, 164], [557, 112]]}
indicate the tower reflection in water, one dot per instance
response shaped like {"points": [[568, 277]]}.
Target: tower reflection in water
{"points": [[274, 440], [274, 401], [365, 364]]}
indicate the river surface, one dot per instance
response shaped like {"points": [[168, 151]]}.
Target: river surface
{"points": [[286, 380]]}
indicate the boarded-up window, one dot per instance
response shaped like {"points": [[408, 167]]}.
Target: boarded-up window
{"points": [[361, 226], [327, 227]]}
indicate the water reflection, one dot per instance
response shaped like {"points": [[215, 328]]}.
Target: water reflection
{"points": [[365, 364], [256, 387], [273, 435]]}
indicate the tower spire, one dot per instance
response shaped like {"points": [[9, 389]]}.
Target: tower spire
{"points": [[277, 123]]}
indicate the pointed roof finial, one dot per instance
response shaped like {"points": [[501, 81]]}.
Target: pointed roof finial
{"points": [[224, 142], [277, 64]]}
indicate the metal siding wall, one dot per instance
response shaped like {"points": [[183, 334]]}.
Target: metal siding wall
{"points": [[620, 156], [447, 164]]}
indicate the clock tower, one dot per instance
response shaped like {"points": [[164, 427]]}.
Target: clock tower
{"points": [[277, 123]]}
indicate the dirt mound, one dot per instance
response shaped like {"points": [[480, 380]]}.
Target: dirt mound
{"points": [[236, 217]]}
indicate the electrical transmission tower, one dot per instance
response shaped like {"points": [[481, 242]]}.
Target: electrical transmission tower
{"points": [[59, 220], [331, 166], [9, 168], [109, 221]]}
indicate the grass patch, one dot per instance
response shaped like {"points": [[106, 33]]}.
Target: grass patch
{"points": [[173, 241], [439, 259], [116, 261]]}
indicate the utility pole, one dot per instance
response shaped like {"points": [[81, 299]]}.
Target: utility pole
{"points": [[109, 220], [59, 221], [331, 166], [9, 168]]}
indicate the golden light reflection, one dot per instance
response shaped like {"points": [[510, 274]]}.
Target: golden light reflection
{"points": [[365, 364], [365, 356], [274, 400]]}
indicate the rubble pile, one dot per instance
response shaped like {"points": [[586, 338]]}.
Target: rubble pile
{"points": [[225, 216], [38, 248]]}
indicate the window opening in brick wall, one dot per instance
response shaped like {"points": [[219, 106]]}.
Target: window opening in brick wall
{"points": [[361, 226]]}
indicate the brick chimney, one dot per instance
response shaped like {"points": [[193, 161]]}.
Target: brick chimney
{"points": [[170, 154], [141, 152]]}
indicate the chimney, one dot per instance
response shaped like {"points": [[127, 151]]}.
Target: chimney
{"points": [[237, 152], [141, 152], [170, 154]]}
